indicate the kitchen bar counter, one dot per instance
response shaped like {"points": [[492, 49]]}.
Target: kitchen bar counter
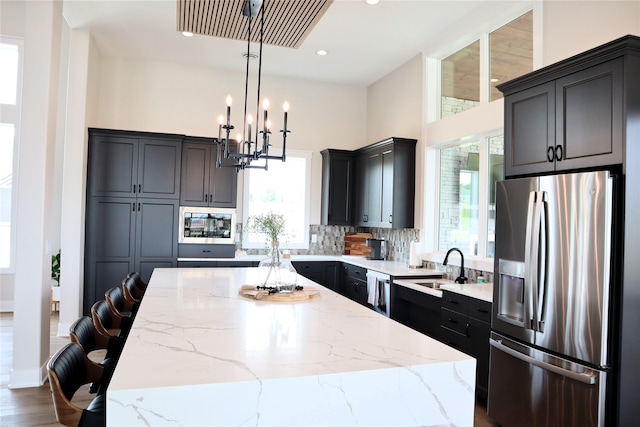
{"points": [[201, 354], [392, 268]]}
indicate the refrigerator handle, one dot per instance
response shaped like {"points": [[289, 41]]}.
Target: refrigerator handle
{"points": [[586, 378], [542, 264], [531, 266]]}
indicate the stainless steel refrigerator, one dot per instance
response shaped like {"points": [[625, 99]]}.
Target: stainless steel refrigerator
{"points": [[550, 340]]}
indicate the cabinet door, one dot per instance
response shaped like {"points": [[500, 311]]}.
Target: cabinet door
{"points": [[159, 168], [331, 273], [194, 183], [479, 333], [361, 213], [374, 185], [530, 130], [113, 166], [110, 245], [156, 231], [387, 177], [223, 183], [589, 120], [337, 203]]}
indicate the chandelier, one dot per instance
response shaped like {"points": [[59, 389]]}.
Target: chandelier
{"points": [[247, 150]]}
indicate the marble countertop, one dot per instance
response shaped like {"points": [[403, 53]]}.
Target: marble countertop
{"points": [[199, 353], [482, 291], [392, 268]]}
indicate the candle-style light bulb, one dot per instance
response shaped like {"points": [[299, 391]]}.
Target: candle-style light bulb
{"points": [[220, 121], [265, 107], [268, 124], [249, 121], [239, 138], [285, 107], [228, 110]]}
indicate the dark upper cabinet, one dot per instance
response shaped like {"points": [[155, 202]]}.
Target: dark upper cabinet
{"points": [[202, 183], [574, 120], [130, 164], [385, 184], [337, 187]]}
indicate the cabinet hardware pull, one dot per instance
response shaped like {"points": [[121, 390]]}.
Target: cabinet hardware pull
{"points": [[452, 321], [206, 251], [134, 189], [452, 301], [210, 198], [139, 188], [559, 153], [138, 207], [550, 154], [133, 208], [390, 218], [482, 310], [205, 198], [466, 330], [365, 218]]}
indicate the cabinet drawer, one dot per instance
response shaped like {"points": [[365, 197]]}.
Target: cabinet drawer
{"points": [[454, 321], [453, 339], [307, 267], [421, 299], [455, 302], [479, 309], [356, 272]]}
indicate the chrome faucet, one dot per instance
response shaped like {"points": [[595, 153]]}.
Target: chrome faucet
{"points": [[461, 278]]}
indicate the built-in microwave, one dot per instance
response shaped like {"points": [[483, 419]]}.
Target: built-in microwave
{"points": [[207, 225]]}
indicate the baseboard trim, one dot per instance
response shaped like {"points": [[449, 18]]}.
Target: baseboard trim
{"points": [[28, 378]]}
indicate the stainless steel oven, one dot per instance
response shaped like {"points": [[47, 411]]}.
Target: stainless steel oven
{"points": [[207, 225]]}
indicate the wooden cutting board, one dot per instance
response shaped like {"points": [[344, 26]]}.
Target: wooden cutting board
{"points": [[307, 293], [356, 244]]}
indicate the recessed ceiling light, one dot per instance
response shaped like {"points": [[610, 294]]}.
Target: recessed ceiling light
{"points": [[251, 55], [372, 1], [322, 52], [187, 33], [494, 80]]}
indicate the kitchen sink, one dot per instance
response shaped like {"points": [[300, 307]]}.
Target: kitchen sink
{"points": [[430, 284]]}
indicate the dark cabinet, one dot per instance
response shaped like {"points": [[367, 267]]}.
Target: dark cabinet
{"points": [[337, 187], [573, 121], [354, 283], [202, 183], [465, 324], [133, 181], [125, 235], [325, 273], [124, 164], [385, 184], [417, 310]]}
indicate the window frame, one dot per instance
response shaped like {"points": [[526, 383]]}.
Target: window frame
{"points": [[11, 114], [246, 211]]}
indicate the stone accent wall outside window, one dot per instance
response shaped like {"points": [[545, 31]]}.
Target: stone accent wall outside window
{"points": [[452, 106]]}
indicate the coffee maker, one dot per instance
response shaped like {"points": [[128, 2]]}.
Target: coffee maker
{"points": [[378, 248]]}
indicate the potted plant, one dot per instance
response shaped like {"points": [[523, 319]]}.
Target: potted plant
{"points": [[271, 225], [55, 276]]}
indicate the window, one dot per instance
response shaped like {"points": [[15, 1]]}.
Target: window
{"points": [[461, 80], [10, 100], [283, 188], [469, 76], [510, 52], [468, 173]]}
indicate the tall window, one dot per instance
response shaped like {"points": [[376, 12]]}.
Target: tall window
{"points": [[469, 76], [10, 100], [468, 173], [284, 189]]}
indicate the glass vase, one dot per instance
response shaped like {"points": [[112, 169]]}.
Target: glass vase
{"points": [[269, 268], [288, 276]]}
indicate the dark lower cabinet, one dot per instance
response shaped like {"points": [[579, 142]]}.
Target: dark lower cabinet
{"points": [[354, 283], [465, 324], [416, 310], [325, 273], [125, 235]]}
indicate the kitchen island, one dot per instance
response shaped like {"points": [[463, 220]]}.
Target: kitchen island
{"points": [[201, 354]]}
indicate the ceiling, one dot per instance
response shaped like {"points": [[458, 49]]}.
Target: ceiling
{"points": [[365, 42]]}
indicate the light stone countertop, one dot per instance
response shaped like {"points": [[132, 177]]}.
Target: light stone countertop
{"points": [[201, 354], [392, 268], [481, 291]]}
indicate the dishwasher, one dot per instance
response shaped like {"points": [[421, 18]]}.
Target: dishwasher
{"points": [[378, 292]]}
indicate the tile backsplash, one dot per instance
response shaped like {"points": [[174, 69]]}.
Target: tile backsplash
{"points": [[330, 241]]}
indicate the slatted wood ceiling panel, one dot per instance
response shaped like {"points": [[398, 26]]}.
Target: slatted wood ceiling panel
{"points": [[286, 22]]}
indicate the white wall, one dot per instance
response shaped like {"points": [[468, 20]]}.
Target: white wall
{"points": [[164, 97]]}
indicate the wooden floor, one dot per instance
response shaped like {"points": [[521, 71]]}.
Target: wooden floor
{"points": [[34, 407]]}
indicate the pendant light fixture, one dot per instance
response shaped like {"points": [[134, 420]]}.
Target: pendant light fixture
{"points": [[248, 150]]}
